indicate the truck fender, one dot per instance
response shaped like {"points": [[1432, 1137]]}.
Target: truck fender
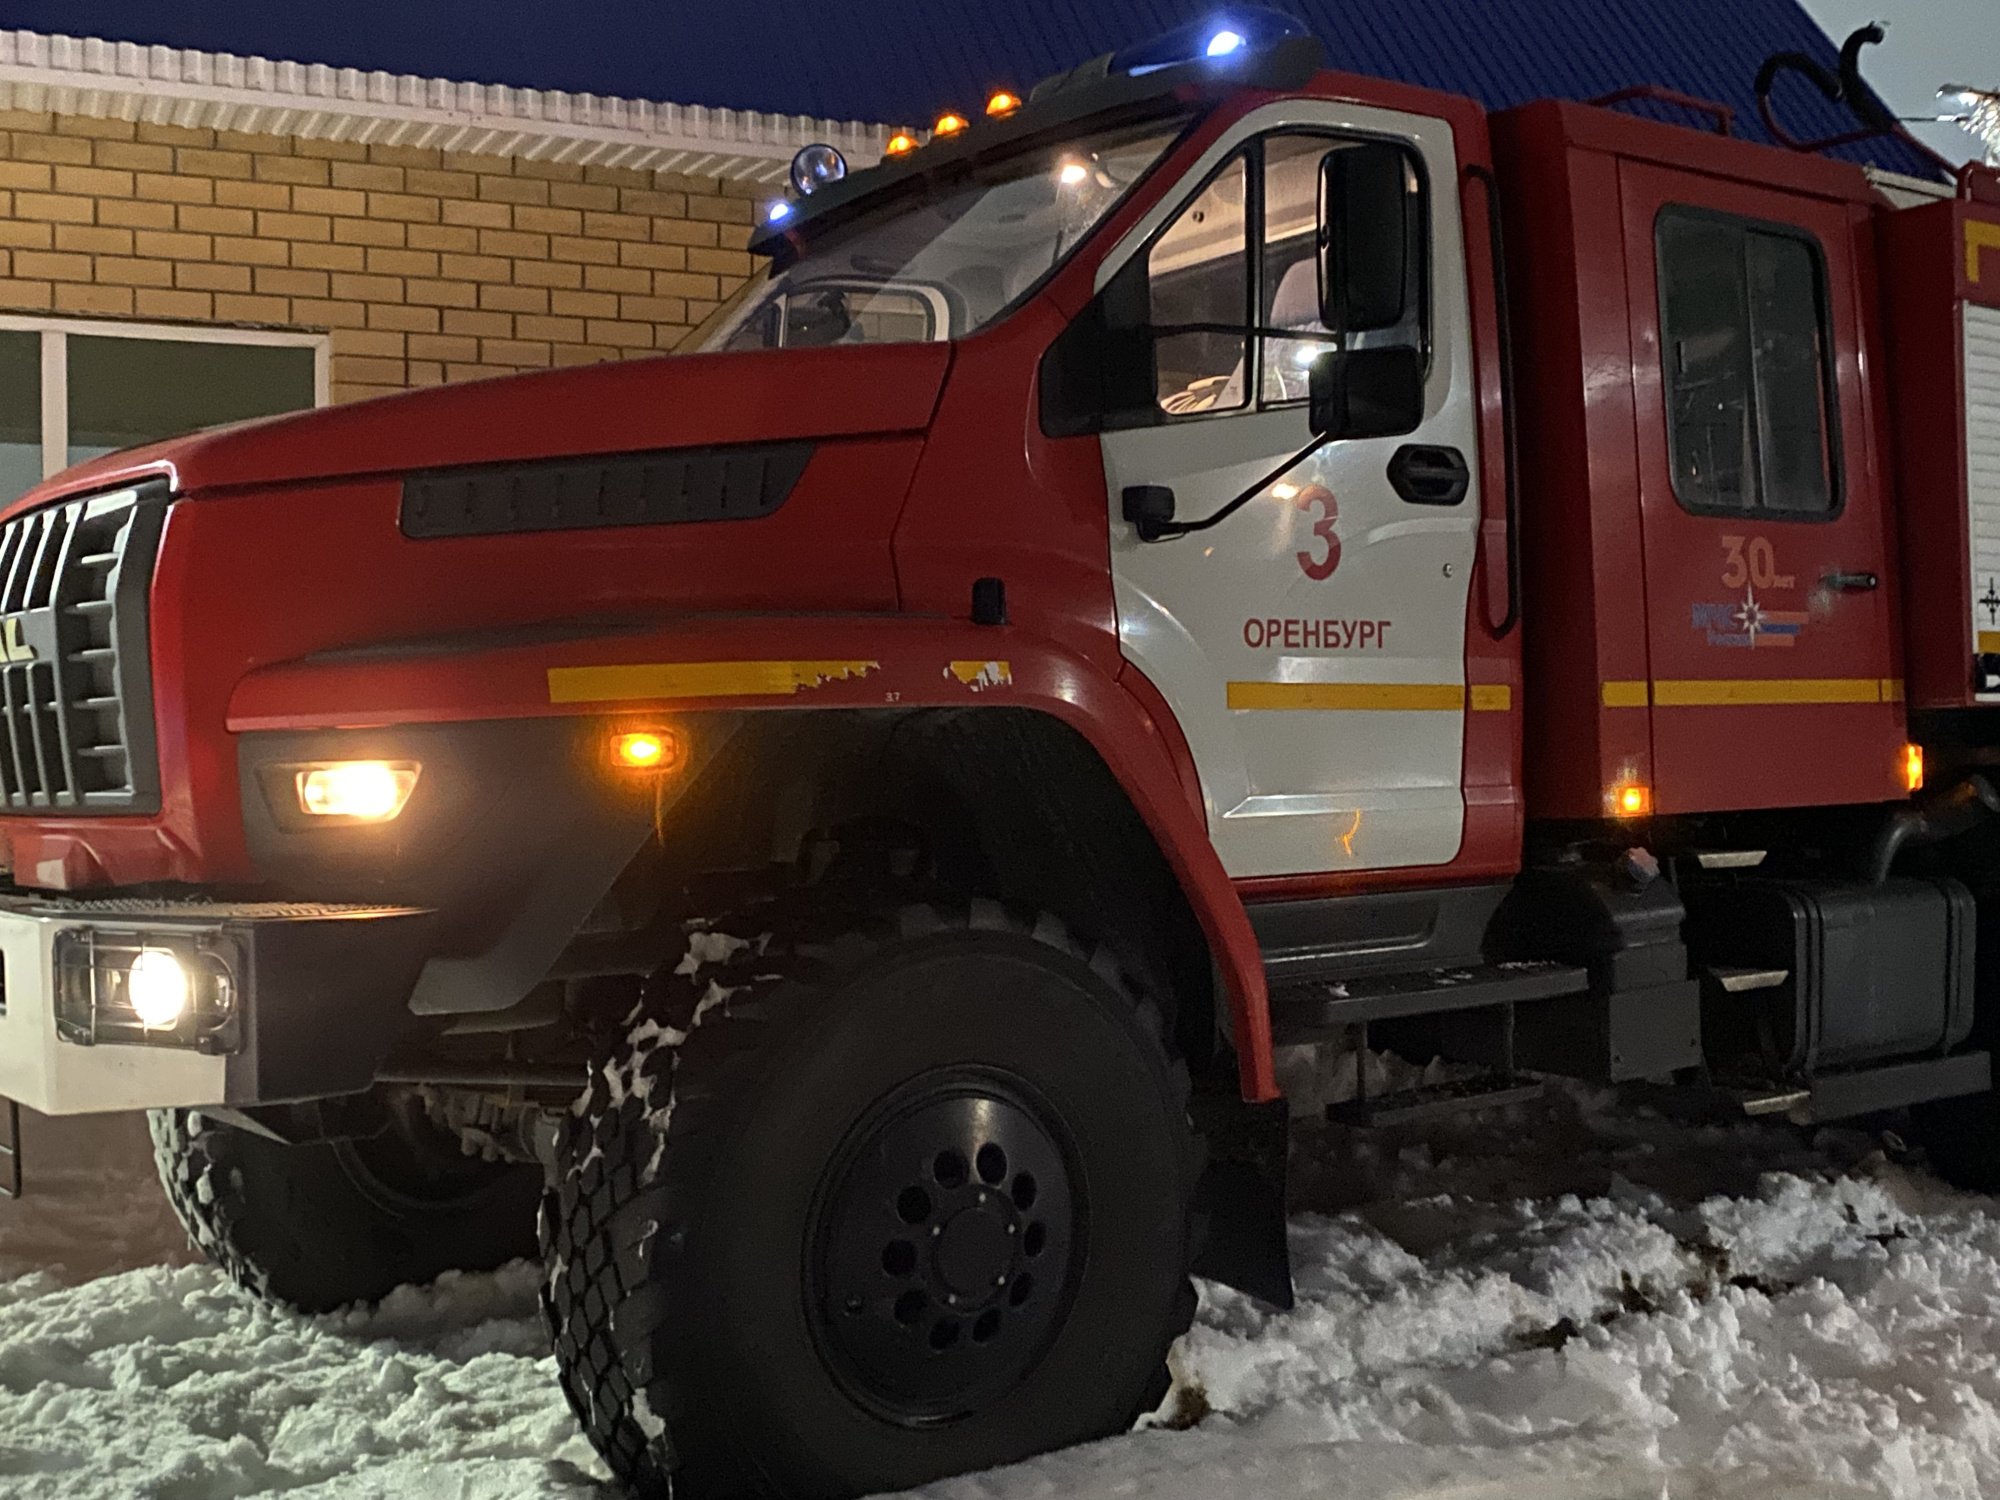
{"points": [[793, 663]]}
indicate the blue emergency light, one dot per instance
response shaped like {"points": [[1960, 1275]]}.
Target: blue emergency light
{"points": [[1237, 32]]}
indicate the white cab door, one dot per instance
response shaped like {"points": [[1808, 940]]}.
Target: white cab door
{"points": [[1312, 645]]}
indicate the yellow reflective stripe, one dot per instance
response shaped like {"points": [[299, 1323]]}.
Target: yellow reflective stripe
{"points": [[1348, 695], [1758, 691], [1989, 642], [697, 679], [1625, 695], [1892, 690], [1492, 697]]}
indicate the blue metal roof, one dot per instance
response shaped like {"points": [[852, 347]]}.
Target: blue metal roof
{"points": [[902, 61]]}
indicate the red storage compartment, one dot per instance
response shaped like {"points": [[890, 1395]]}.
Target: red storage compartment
{"points": [[1941, 284]]}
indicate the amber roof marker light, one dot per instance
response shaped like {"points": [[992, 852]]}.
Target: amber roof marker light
{"points": [[949, 123], [902, 143], [661, 750], [1002, 103]]}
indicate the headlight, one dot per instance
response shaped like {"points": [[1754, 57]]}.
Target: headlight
{"points": [[161, 988], [363, 791], [157, 986]]}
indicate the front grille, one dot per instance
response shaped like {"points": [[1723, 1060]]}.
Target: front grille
{"points": [[76, 693]]}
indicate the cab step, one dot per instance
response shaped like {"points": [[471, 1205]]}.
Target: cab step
{"points": [[1432, 1101], [1743, 981], [1309, 1012], [1829, 1096]]}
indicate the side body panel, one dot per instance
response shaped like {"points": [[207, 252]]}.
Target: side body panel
{"points": [[1941, 281], [1584, 620], [1761, 655], [1620, 689]]}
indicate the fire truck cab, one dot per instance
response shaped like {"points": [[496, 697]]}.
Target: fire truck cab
{"points": [[854, 842]]}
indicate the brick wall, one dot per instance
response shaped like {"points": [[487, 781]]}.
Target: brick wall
{"points": [[424, 266]]}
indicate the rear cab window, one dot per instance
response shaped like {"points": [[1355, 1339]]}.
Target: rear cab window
{"points": [[1746, 350]]}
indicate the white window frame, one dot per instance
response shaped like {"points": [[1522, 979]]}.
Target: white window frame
{"points": [[55, 334]]}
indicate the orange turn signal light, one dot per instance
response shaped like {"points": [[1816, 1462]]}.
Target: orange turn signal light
{"points": [[647, 750], [1631, 799], [949, 123], [1913, 768], [902, 143], [1002, 103]]}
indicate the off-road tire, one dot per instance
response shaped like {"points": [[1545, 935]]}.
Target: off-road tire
{"points": [[322, 1225], [692, 1184]]}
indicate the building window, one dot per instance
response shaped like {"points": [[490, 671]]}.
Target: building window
{"points": [[71, 391], [1749, 377]]}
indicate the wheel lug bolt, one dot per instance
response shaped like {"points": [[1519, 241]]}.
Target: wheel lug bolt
{"points": [[936, 1230], [1010, 1228]]}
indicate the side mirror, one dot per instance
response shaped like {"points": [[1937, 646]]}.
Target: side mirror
{"points": [[1364, 238], [1362, 393]]}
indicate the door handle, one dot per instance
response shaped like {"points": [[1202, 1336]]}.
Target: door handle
{"points": [[1850, 583], [1429, 474]]}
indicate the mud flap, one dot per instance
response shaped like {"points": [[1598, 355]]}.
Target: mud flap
{"points": [[1239, 1201], [10, 1154]]}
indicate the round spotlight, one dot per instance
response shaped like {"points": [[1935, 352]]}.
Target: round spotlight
{"points": [[815, 166], [157, 988]]}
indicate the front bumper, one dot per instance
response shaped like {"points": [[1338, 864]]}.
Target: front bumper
{"points": [[306, 1001]]}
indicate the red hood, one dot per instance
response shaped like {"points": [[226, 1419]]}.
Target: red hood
{"points": [[679, 402]]}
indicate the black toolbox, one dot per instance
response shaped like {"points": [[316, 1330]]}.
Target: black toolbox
{"points": [[1870, 971]]}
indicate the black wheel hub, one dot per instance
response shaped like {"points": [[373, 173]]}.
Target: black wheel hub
{"points": [[945, 1238]]}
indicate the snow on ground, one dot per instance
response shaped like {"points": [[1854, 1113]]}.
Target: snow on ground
{"points": [[1573, 1300]]}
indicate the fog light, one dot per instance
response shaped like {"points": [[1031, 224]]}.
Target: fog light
{"points": [[156, 987], [368, 791]]}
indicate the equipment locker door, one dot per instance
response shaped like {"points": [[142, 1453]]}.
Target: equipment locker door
{"points": [[1773, 677], [1312, 646]]}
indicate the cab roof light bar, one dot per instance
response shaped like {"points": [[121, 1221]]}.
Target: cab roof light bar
{"points": [[1270, 50]]}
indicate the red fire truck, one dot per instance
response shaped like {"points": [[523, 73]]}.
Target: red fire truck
{"points": [[1216, 561]]}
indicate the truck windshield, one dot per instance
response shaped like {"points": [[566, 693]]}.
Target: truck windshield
{"points": [[947, 261]]}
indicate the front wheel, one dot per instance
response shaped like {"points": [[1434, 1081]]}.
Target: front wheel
{"points": [[862, 1200]]}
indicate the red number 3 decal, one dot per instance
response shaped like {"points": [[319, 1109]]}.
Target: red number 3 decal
{"points": [[1322, 567]]}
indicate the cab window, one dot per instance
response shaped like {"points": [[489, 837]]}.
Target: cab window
{"points": [[1198, 296], [1746, 352], [1233, 282]]}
